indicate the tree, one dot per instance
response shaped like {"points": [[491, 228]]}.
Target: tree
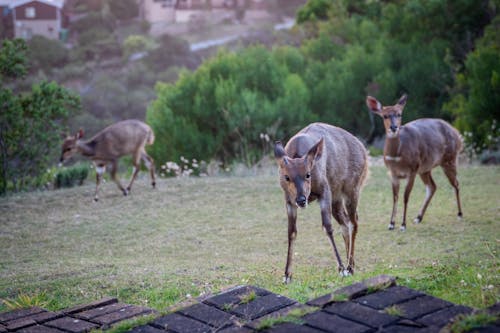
{"points": [[475, 98], [45, 53], [314, 10], [30, 123]]}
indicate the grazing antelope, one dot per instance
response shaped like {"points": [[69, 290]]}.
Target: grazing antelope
{"points": [[329, 164], [417, 148], [128, 137]]}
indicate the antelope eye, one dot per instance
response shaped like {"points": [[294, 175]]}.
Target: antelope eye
{"points": [[398, 115], [386, 116], [308, 175], [287, 178]]}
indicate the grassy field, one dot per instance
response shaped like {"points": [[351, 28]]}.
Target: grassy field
{"points": [[196, 236]]}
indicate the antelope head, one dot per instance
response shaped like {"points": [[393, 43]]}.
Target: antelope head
{"points": [[69, 146], [390, 114], [296, 173]]}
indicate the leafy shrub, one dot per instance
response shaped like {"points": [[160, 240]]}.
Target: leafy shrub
{"points": [[171, 51], [313, 10], [136, 43], [45, 53], [71, 176], [222, 109], [124, 9]]}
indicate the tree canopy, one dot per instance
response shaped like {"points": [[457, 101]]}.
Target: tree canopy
{"points": [[349, 49], [30, 122]]}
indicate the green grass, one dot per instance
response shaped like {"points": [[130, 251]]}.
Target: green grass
{"points": [[467, 323], [197, 236]]}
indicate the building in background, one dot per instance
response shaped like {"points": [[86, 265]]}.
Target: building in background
{"points": [[38, 17], [155, 11]]}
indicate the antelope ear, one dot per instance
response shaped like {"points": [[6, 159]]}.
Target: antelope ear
{"points": [[402, 100], [280, 154], [79, 134], [64, 135], [316, 151], [373, 104], [279, 151]]}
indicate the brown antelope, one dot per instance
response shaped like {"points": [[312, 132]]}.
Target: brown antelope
{"points": [[329, 164], [128, 137], [417, 148]]}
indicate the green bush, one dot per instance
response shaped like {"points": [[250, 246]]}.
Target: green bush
{"points": [[45, 53], [71, 176], [224, 108]]}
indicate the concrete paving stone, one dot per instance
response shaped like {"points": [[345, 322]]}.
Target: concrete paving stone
{"points": [[262, 306], [84, 307], [14, 325], [146, 329], [444, 316], [332, 323], [209, 315], [409, 329], [390, 296], [280, 313], [176, 322], [236, 329], [122, 314], [17, 314], [234, 296], [291, 327], [344, 292], [3, 328], [494, 309], [44, 316], [362, 314], [99, 311], [39, 329], [355, 290], [380, 282], [70, 324], [421, 306]]}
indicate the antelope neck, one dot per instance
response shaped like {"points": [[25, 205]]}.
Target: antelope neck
{"points": [[85, 148], [392, 149]]}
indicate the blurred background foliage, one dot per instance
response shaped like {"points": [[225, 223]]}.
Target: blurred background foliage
{"points": [[230, 104], [444, 54]]}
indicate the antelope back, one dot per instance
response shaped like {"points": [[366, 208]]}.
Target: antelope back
{"points": [[320, 155], [122, 138]]}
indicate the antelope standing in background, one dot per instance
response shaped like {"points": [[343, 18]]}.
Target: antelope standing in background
{"points": [[329, 164], [128, 137], [417, 148]]}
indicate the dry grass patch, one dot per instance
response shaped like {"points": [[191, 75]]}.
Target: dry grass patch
{"points": [[196, 236]]}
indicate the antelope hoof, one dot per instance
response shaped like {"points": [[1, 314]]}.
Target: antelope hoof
{"points": [[391, 226], [460, 216], [287, 279], [417, 219], [153, 184], [125, 192], [96, 199], [344, 272], [402, 228]]}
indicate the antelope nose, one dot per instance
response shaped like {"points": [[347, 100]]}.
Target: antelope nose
{"points": [[393, 128], [301, 200]]}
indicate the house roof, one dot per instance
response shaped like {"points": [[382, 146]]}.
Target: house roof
{"points": [[55, 3]]}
